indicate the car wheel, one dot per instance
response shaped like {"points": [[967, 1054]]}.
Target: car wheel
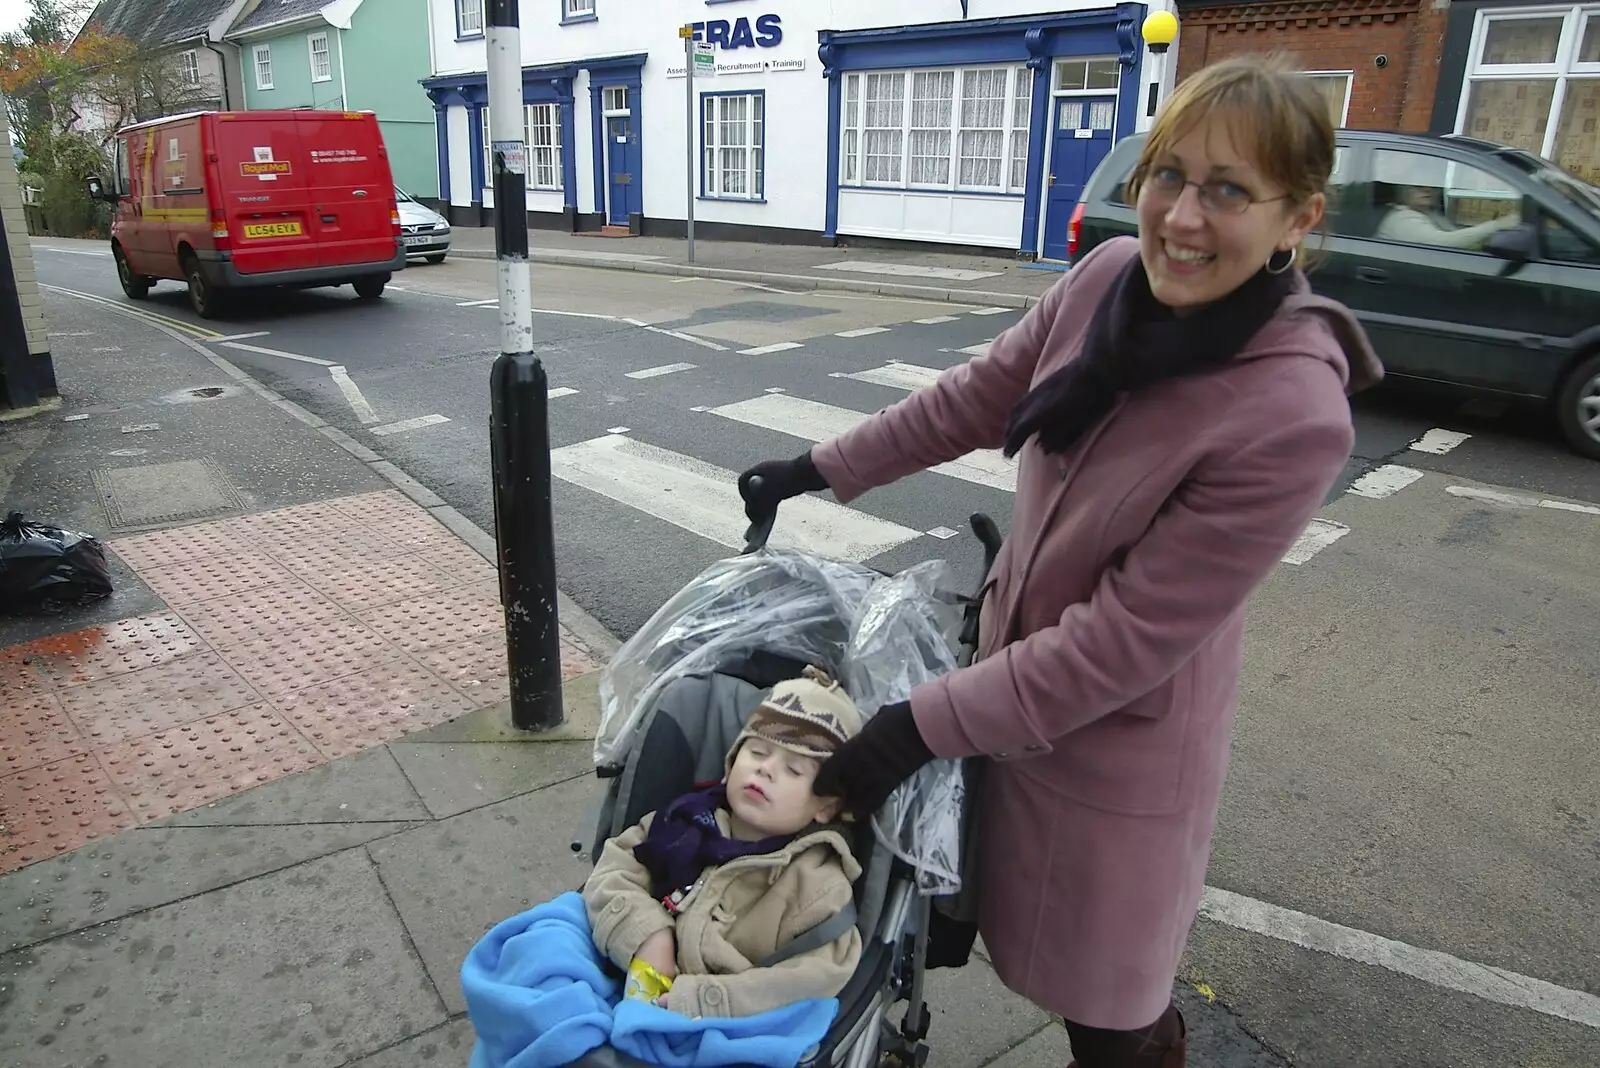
{"points": [[136, 285], [370, 288], [437, 257], [206, 299], [1578, 407]]}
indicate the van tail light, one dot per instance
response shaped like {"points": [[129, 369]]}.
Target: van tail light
{"points": [[1075, 229], [219, 230], [394, 219]]}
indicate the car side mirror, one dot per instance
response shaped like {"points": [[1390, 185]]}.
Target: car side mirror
{"points": [[1519, 244], [97, 189]]}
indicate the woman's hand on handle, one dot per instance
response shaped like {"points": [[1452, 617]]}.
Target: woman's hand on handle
{"points": [[769, 484], [868, 768]]}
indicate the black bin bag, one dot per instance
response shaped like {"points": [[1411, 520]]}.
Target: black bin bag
{"points": [[44, 567]]}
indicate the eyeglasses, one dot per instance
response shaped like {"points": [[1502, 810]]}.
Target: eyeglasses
{"points": [[1217, 196]]}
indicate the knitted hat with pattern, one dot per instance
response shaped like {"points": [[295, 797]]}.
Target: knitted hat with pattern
{"points": [[811, 715]]}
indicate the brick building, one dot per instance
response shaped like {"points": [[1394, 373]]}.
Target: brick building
{"points": [[1378, 60]]}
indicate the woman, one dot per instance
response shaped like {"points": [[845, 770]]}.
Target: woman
{"points": [[1179, 406]]}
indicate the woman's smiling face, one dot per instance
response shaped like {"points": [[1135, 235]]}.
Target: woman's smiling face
{"points": [[1209, 219]]}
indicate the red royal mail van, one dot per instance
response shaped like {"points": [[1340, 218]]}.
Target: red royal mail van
{"points": [[236, 200]]}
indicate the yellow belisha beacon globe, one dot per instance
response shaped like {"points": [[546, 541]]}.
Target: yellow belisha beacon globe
{"points": [[1159, 31]]}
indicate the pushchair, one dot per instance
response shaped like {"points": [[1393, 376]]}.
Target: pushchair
{"points": [[677, 694]]}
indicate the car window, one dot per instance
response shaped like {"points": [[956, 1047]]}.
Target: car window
{"points": [[1422, 199], [122, 168], [1563, 245], [400, 195], [1349, 203]]}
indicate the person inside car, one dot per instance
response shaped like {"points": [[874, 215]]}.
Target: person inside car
{"points": [[1415, 218]]}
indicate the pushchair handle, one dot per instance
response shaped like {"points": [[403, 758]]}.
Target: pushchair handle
{"points": [[755, 538]]}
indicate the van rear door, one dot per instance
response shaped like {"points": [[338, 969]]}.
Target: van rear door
{"points": [[264, 192], [351, 185]]}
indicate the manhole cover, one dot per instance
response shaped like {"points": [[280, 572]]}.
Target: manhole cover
{"points": [[159, 494]]}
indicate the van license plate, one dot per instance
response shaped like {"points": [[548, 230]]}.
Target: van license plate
{"points": [[278, 229]]}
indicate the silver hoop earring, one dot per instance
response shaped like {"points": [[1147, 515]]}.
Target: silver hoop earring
{"points": [[1272, 268]]}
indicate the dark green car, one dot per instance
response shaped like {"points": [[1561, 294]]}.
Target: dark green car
{"points": [[1471, 264]]}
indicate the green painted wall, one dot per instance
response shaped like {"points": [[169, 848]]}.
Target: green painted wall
{"points": [[384, 58]]}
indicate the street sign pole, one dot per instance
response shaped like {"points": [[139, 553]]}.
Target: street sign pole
{"points": [[519, 417], [687, 33]]}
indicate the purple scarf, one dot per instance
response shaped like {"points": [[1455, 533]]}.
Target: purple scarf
{"points": [[684, 840], [1133, 342]]}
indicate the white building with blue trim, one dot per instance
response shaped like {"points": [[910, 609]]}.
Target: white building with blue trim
{"points": [[950, 122]]}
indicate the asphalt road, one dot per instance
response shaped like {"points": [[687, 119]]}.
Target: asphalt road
{"points": [[1411, 758]]}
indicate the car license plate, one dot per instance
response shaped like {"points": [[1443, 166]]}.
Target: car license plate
{"points": [[418, 239], [277, 229]]}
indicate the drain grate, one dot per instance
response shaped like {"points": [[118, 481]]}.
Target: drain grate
{"points": [[137, 498]]}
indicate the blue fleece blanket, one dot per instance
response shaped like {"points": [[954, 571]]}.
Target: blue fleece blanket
{"points": [[539, 996]]}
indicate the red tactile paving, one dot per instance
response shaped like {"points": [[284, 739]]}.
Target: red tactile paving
{"points": [[444, 618], [143, 702], [188, 766], [372, 706], [35, 731], [57, 807], [257, 614], [294, 636]]}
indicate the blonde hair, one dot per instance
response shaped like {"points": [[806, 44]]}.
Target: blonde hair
{"points": [[1277, 117]]}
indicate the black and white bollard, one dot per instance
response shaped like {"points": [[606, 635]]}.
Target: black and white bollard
{"points": [[519, 421]]}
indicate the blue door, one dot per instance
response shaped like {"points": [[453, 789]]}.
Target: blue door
{"points": [[1081, 139], [623, 170]]}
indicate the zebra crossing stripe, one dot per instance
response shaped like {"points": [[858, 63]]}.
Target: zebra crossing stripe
{"points": [[704, 500], [813, 421], [907, 376]]}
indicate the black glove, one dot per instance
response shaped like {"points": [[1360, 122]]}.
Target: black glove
{"points": [[780, 480], [867, 769]]}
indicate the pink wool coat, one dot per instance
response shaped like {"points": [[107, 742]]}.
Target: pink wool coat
{"points": [[1112, 630]]}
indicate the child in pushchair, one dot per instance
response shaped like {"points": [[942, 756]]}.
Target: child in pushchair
{"points": [[680, 701], [737, 898]]}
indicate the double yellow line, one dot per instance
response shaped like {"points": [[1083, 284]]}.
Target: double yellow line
{"points": [[155, 318]]}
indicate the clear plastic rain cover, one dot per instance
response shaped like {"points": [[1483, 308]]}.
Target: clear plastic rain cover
{"points": [[879, 636]]}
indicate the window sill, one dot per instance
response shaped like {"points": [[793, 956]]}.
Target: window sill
{"points": [[263, 88], [469, 37], [576, 20], [934, 191], [319, 81], [733, 200]]}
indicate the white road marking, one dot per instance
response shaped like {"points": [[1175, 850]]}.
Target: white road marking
{"points": [[865, 331], [477, 303], [1438, 441], [702, 342], [664, 369], [992, 311], [1386, 481], [242, 337], [943, 533], [782, 346], [936, 320], [575, 315], [352, 393], [907, 376], [74, 418], [681, 281], [561, 391], [618, 429], [1320, 534], [812, 421], [775, 389], [276, 352], [72, 251], [409, 424], [1437, 969], [704, 500], [396, 289], [908, 270], [1515, 500], [634, 322]]}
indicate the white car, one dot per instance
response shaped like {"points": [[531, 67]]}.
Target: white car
{"points": [[425, 231]]}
